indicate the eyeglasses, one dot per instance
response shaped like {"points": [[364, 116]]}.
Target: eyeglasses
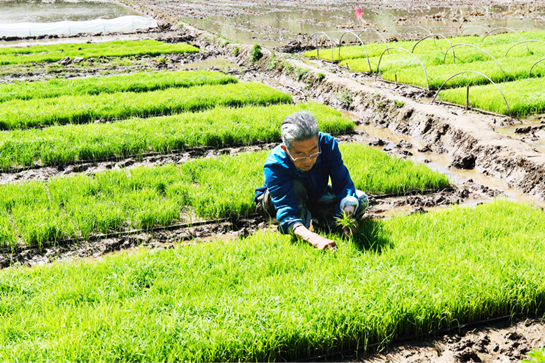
{"points": [[303, 158]]}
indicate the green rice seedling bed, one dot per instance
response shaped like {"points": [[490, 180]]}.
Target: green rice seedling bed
{"points": [[144, 197], [525, 97], [514, 68], [399, 60], [270, 298], [137, 82], [62, 110], [218, 127], [121, 48], [496, 45]]}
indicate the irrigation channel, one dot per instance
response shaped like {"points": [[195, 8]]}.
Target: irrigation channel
{"points": [[486, 156]]}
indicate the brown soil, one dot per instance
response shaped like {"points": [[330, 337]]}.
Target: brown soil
{"points": [[160, 238], [151, 159], [105, 66], [208, 8], [504, 340]]}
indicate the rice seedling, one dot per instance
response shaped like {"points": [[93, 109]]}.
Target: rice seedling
{"points": [[36, 218], [538, 356], [260, 298], [123, 48], [496, 45], [62, 110], [356, 51], [524, 97], [8, 235], [376, 172], [138, 82], [347, 223], [148, 196], [40, 224], [220, 126], [514, 68]]}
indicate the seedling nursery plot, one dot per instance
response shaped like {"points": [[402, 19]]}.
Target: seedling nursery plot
{"points": [[502, 58], [71, 143], [137, 82], [525, 97], [144, 197], [19, 114], [249, 299], [122, 48], [258, 299]]}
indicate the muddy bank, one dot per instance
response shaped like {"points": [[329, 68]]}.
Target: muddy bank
{"points": [[161, 28], [105, 66], [504, 339], [160, 238], [148, 160]]}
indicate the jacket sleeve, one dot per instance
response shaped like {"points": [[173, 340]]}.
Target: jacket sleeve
{"points": [[280, 187], [341, 182]]}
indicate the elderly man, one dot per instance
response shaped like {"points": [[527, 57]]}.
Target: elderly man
{"points": [[297, 173]]}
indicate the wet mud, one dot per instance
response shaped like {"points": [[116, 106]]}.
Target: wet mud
{"points": [[275, 23], [506, 339], [158, 238], [149, 160]]}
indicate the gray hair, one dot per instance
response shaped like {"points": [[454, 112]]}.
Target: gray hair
{"points": [[298, 126]]}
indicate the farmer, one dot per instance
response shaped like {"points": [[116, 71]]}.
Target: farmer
{"points": [[296, 187]]}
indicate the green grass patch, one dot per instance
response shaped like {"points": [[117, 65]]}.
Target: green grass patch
{"points": [[268, 298], [524, 97], [121, 48], [137, 82], [145, 197], [19, 114], [220, 126]]}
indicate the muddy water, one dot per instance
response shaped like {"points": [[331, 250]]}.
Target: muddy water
{"points": [[275, 25], [220, 63], [535, 139], [439, 162], [36, 11]]}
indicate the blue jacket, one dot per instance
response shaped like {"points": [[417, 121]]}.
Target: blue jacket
{"points": [[280, 173]]}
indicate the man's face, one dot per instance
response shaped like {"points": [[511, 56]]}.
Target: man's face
{"points": [[304, 153]]}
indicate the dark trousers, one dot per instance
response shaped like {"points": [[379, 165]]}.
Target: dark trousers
{"points": [[321, 211]]}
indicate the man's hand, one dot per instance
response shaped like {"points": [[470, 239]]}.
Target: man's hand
{"points": [[349, 210], [314, 239]]}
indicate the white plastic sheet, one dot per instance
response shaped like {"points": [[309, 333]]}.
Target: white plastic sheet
{"points": [[124, 23]]}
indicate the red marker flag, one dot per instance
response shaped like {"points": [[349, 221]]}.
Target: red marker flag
{"points": [[359, 13]]}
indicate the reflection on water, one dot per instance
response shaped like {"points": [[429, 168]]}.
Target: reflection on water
{"points": [[18, 11], [274, 25]]}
